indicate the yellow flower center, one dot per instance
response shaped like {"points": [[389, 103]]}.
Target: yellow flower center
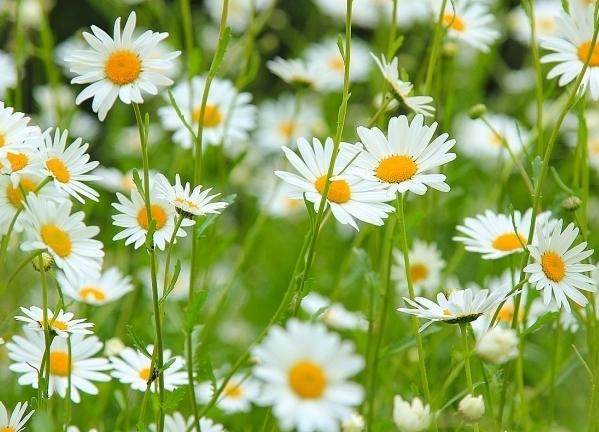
{"points": [[144, 374], [506, 313], [509, 242], [18, 161], [396, 169], [287, 128], [59, 170], [7, 429], [57, 239], [14, 194], [185, 202], [91, 291], [59, 363], [419, 272], [496, 139], [553, 266], [336, 63], [546, 24], [2, 140], [583, 52], [594, 145], [158, 214], [122, 67], [233, 391], [454, 22], [307, 379], [212, 116], [339, 191], [57, 325]]}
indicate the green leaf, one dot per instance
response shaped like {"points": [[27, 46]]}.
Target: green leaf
{"points": [[220, 53], [138, 183], [171, 285], [173, 399], [540, 322], [137, 341], [193, 309]]}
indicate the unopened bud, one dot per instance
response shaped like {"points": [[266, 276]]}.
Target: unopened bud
{"points": [[45, 260], [472, 407], [450, 49], [477, 111], [571, 203]]}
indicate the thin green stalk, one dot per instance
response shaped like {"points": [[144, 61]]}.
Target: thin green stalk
{"points": [[28, 259], [435, 49], [67, 399], [392, 30], [47, 339], [169, 253], [538, 74], [467, 368], [187, 32]]}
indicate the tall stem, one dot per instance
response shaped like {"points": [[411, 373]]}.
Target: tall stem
{"points": [[432, 62], [467, 368], [45, 368]]}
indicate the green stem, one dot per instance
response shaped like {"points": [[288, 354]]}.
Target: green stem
{"points": [[435, 49], [47, 338], [467, 368], [29, 258], [539, 75]]}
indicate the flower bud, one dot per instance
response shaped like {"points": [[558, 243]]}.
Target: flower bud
{"points": [[477, 111], [113, 346], [571, 203], [412, 417], [498, 345], [353, 423], [472, 407], [46, 261]]}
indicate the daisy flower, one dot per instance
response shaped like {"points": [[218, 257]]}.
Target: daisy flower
{"points": [[51, 227], [304, 370], [326, 54], [177, 423], [470, 22], [459, 307], [132, 367], [493, 234], [9, 72], [476, 140], [401, 160], [570, 51], [349, 197], [426, 264], [332, 314], [228, 117], [498, 345], [558, 269], [403, 89], [17, 419], [300, 72], [110, 286], [133, 217], [238, 395], [27, 354], [68, 166], [239, 14], [15, 133], [62, 323], [412, 416], [281, 122], [188, 202], [113, 180], [121, 67], [546, 12]]}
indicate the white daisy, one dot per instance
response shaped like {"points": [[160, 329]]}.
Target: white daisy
{"points": [[412, 416], [349, 197], [498, 345], [238, 395], [401, 160], [493, 234], [403, 89], [426, 265], [188, 202], [114, 180], [62, 323], [133, 217], [68, 165], [281, 122], [557, 269], [52, 228], [546, 12], [334, 315], [305, 370], [239, 14], [326, 54], [300, 72], [228, 115], [132, 367], [120, 67], [27, 354], [459, 307], [110, 286], [177, 423], [470, 22], [15, 133], [17, 419], [8, 78], [570, 51]]}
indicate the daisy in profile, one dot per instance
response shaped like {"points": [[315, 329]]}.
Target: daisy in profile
{"points": [[300, 72], [229, 115], [133, 217], [238, 395], [8, 78], [61, 323], [27, 354], [110, 286], [51, 227], [188, 202], [470, 22], [546, 13], [121, 66], [403, 89], [305, 372], [401, 161], [281, 122], [17, 420], [332, 314], [558, 269], [15, 133], [493, 234], [459, 307], [132, 367], [68, 166], [349, 197], [177, 423], [327, 55], [477, 141], [426, 265]]}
